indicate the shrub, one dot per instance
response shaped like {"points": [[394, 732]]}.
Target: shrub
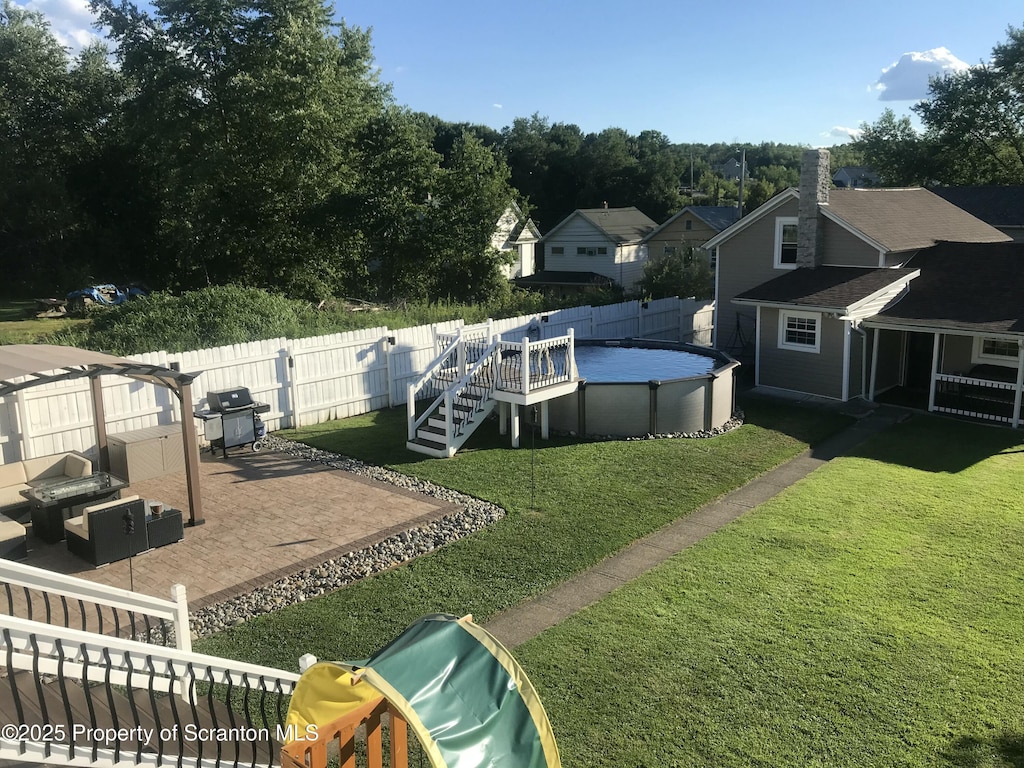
{"points": [[209, 317]]}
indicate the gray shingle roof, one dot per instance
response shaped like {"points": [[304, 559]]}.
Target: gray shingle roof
{"points": [[564, 278], [718, 217], [621, 225], [965, 286], [908, 219], [998, 206], [825, 287]]}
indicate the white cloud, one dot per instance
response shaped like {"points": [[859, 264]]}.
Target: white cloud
{"points": [[71, 21], [842, 132], [907, 79], [497, 106]]}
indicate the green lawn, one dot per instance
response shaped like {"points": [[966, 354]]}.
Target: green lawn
{"points": [[19, 326], [590, 500], [869, 616]]}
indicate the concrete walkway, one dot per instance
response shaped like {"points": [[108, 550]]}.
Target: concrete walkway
{"points": [[528, 619]]}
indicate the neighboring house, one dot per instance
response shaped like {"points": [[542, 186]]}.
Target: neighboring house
{"points": [[594, 247], [829, 291], [516, 233], [690, 228], [855, 177], [1002, 207]]}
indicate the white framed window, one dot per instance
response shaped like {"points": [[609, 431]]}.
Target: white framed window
{"points": [[669, 250], [558, 250], [591, 251], [785, 242], [998, 351], [800, 331]]}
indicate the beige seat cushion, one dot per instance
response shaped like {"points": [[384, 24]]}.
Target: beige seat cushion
{"points": [[59, 465], [12, 474], [10, 495], [77, 466], [11, 530], [43, 467], [96, 508]]}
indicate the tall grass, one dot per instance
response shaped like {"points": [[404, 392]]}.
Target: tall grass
{"points": [[222, 315]]}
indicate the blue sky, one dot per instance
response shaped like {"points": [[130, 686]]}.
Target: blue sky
{"points": [[793, 72]]}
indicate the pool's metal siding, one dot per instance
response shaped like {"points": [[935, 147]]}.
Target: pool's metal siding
{"points": [[722, 398], [618, 409], [625, 409], [563, 413], [682, 405]]}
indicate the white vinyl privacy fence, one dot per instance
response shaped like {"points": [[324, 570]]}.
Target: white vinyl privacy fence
{"points": [[308, 381]]}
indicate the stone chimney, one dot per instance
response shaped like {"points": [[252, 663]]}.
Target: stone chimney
{"points": [[815, 183]]}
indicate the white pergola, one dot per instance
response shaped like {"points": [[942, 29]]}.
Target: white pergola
{"points": [[30, 365]]}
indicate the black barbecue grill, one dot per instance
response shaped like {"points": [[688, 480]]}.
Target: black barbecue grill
{"points": [[231, 419]]}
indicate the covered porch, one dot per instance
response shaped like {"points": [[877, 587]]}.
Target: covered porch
{"points": [[975, 374]]}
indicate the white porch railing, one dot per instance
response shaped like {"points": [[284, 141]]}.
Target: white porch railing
{"points": [[977, 398]]}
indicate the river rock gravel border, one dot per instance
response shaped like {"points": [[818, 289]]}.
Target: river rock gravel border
{"points": [[332, 574], [473, 515]]}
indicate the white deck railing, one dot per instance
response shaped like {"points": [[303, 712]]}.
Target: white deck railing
{"points": [[95, 607], [98, 662]]}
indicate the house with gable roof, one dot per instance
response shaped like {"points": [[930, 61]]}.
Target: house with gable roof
{"points": [[516, 235], [846, 293], [851, 176], [594, 248], [691, 227]]}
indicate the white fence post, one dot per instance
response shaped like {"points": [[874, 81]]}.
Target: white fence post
{"points": [[292, 387], [389, 342], [23, 425], [306, 661]]}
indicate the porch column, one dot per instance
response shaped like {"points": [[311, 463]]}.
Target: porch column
{"points": [[188, 433], [757, 346], [935, 372], [100, 419], [1020, 383], [875, 333]]}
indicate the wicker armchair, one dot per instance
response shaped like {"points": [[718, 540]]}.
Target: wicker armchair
{"points": [[98, 534]]}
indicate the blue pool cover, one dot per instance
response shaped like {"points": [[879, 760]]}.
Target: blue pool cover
{"points": [[600, 364]]}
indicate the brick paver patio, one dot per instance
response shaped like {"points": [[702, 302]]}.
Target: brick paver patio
{"points": [[267, 515]]}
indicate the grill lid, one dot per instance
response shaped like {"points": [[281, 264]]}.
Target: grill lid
{"points": [[229, 399]]}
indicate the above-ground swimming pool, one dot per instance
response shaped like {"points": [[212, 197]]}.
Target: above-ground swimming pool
{"points": [[633, 387]]}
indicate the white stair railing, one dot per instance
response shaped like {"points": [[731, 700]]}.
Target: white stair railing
{"points": [[447, 359]]}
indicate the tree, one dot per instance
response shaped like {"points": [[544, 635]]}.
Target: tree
{"points": [[897, 152], [245, 114], [686, 272], [976, 117], [55, 121], [973, 127]]}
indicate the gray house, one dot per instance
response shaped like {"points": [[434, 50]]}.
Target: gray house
{"points": [[847, 293]]}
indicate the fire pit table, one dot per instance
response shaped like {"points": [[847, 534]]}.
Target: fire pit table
{"points": [[52, 503]]}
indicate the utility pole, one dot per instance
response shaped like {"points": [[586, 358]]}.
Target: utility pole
{"points": [[743, 173]]}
